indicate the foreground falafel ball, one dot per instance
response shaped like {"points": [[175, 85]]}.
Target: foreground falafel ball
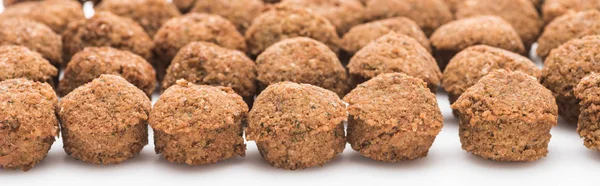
{"points": [[394, 53], [92, 62], [105, 121], [56, 14], [302, 60], [361, 35], [567, 27], [239, 12], [393, 117], [185, 134], [20, 62], [297, 126], [506, 116], [33, 35], [429, 14], [184, 5], [29, 125], [473, 63], [553, 9], [107, 29], [587, 91], [460, 34], [565, 67], [343, 14], [150, 14], [209, 64], [283, 22]]}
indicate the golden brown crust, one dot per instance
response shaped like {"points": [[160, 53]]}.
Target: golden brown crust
{"points": [[239, 12], [343, 14], [567, 27], [150, 14], [553, 9], [33, 35], [588, 126], [56, 14], [429, 14], [20, 62]]}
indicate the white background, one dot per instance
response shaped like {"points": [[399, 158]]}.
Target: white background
{"points": [[568, 163]]}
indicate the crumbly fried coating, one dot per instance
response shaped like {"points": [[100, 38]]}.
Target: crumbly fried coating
{"points": [[29, 125], [553, 9], [393, 117], [567, 27], [506, 116], [588, 127], [198, 124], [239, 12], [33, 35], [454, 4], [92, 62], [105, 121], [394, 53], [343, 14], [361, 35], [297, 126], [209, 64], [20, 62], [150, 14], [429, 14], [460, 34], [56, 14], [107, 29], [284, 22], [302, 60], [565, 67]]}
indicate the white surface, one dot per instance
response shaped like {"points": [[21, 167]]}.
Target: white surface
{"points": [[568, 163]]}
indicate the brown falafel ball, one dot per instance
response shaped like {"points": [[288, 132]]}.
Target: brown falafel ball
{"points": [[429, 14], [453, 4], [29, 125], [393, 117], [56, 14], [588, 126], [460, 34], [361, 35], [567, 27], [473, 63], [394, 53], [107, 29], [553, 9], [92, 62], [209, 64], [239, 12], [105, 121], [343, 14], [184, 5], [521, 14], [185, 134], [283, 22], [20, 62], [33, 35], [297, 126], [565, 67], [302, 60], [506, 116], [150, 14]]}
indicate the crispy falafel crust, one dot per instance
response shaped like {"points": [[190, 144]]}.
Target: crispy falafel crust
{"points": [[429, 14], [150, 14], [393, 117], [552, 9], [568, 27], [588, 127], [343, 14], [506, 116], [33, 35], [56, 14], [105, 121], [20, 62], [239, 12]]}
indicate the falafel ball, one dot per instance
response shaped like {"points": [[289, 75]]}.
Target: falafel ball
{"points": [[209, 64], [394, 53], [92, 62], [460, 34], [297, 126], [567, 27], [150, 14], [429, 14], [588, 126], [565, 67], [185, 134], [107, 29], [302, 60], [453, 4], [384, 130], [553, 9], [184, 5], [473, 63], [20, 62], [33, 35], [239, 12], [506, 116], [283, 22], [361, 35], [343, 14], [105, 121], [56, 14], [29, 125]]}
